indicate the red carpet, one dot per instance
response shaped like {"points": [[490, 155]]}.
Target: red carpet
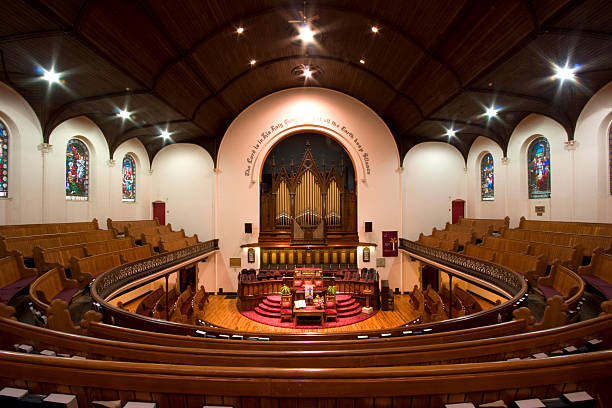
{"points": [[268, 312]]}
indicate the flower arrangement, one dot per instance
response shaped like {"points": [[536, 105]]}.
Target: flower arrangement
{"points": [[285, 290], [318, 302], [331, 290]]}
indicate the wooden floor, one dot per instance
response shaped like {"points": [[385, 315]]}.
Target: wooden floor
{"points": [[224, 313]]}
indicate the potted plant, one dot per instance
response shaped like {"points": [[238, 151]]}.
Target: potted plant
{"points": [[285, 290], [331, 290]]}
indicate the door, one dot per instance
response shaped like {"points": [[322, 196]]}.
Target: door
{"points": [[458, 210], [430, 277], [159, 212]]}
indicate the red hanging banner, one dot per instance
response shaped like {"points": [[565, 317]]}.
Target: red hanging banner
{"points": [[390, 243]]}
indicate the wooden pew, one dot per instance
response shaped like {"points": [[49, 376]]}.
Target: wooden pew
{"points": [[562, 282], [456, 305], [485, 223], [20, 230], [52, 285], [197, 304], [155, 239], [581, 228], [531, 267], [146, 305], [119, 226], [26, 244], [14, 276], [181, 311], [434, 305], [46, 259], [467, 300], [159, 311], [175, 245], [85, 269], [102, 247], [506, 245], [480, 230], [588, 242], [568, 256], [136, 253], [479, 252], [433, 242], [463, 238], [599, 272]]}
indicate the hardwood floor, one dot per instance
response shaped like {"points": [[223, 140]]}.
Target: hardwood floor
{"points": [[224, 313]]}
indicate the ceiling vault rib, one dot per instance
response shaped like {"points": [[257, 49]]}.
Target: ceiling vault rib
{"points": [[33, 35]]}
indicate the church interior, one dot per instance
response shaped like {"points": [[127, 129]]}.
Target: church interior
{"points": [[308, 203]]}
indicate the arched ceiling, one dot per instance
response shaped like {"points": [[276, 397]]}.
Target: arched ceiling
{"points": [[181, 65]]}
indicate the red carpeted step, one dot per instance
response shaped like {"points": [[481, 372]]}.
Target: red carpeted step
{"points": [[274, 298], [346, 309], [350, 313], [266, 313], [270, 303], [343, 298], [268, 308]]}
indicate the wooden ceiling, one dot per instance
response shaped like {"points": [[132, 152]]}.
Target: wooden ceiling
{"points": [[180, 64]]}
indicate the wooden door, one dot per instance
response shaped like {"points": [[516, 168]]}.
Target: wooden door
{"points": [[159, 212], [458, 210]]}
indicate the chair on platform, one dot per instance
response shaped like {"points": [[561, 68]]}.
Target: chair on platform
{"points": [[286, 308], [330, 308]]}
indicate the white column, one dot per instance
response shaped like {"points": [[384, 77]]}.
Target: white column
{"points": [[570, 146], [505, 170], [44, 149]]}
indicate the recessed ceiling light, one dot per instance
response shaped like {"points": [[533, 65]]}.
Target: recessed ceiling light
{"points": [[124, 114], [307, 72], [240, 30], [374, 29], [450, 132], [565, 73], [253, 62], [491, 112], [306, 34], [165, 134], [362, 61], [51, 76]]}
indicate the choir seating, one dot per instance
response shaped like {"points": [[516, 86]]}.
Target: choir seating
{"points": [[330, 308], [52, 285], [286, 311], [598, 273], [14, 276], [20, 230], [562, 282]]}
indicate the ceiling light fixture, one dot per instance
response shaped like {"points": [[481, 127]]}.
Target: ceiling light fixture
{"points": [[50, 76], [165, 134], [240, 30], [306, 34], [362, 61], [450, 132], [565, 73], [124, 114], [374, 29], [253, 62], [307, 72], [491, 112]]}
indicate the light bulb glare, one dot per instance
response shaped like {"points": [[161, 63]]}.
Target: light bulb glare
{"points": [[240, 30], [565, 73], [491, 112], [306, 34], [124, 114], [50, 76]]}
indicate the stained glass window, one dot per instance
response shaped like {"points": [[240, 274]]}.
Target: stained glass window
{"points": [[129, 178], [4, 138], [77, 170], [487, 180], [538, 162]]}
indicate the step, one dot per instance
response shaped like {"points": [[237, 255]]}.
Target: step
{"points": [[273, 298], [268, 308], [266, 313], [350, 308], [349, 314], [266, 301]]}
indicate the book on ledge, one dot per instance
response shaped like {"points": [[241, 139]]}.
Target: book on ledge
{"points": [[300, 304]]}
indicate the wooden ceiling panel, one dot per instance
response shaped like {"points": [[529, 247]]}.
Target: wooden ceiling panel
{"points": [[442, 84], [20, 18], [123, 33], [67, 10], [592, 15], [401, 114], [213, 117], [545, 9], [182, 88]]}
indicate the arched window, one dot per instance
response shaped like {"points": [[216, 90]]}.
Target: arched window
{"points": [[129, 178], [487, 178], [4, 139], [77, 170], [538, 168]]}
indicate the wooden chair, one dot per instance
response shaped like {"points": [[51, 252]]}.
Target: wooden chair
{"points": [[562, 282], [52, 285], [330, 307], [286, 311]]}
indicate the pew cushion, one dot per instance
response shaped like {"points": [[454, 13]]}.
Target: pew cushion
{"points": [[330, 304], [10, 290], [331, 312], [604, 287], [549, 291], [66, 294]]}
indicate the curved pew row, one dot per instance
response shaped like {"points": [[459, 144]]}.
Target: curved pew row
{"points": [[483, 350], [410, 386], [14, 276], [583, 228], [52, 285], [19, 230]]}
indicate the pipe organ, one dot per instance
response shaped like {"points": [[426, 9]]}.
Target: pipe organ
{"points": [[307, 204]]}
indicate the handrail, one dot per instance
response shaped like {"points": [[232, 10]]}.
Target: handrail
{"points": [[116, 279]]}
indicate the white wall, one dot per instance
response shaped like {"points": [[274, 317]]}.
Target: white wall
{"points": [[433, 176], [243, 149], [183, 177], [23, 204]]}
